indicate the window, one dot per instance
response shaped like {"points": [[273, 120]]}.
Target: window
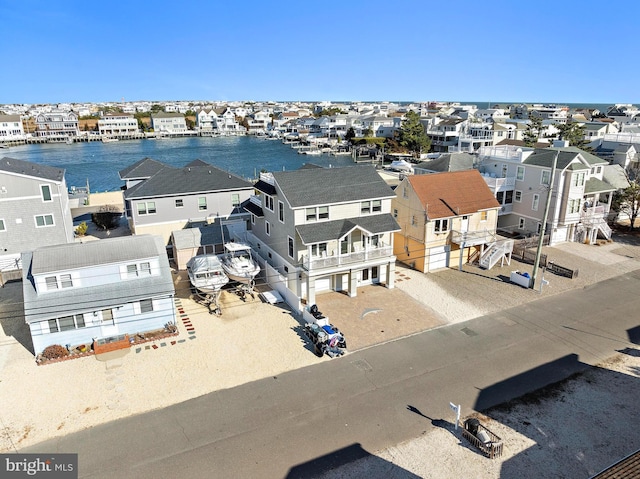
{"points": [[365, 207], [574, 206], [508, 197], [267, 228], [253, 219], [51, 283], [441, 226], [235, 199], [179, 203], [146, 306], [44, 220], [520, 173], [318, 249], [376, 206], [545, 178], [65, 281], [539, 228], [598, 170], [395, 213], [323, 212], [483, 216], [2, 227], [500, 197], [534, 203], [147, 208], [290, 241], [521, 223], [202, 203], [66, 323], [268, 202], [578, 179], [46, 192], [518, 197], [135, 270], [405, 194], [145, 269], [53, 326], [281, 211], [413, 220], [311, 214]]}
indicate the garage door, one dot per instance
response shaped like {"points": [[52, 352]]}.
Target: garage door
{"points": [[438, 258], [323, 284]]}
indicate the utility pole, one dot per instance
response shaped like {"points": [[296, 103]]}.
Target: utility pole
{"points": [[536, 264]]}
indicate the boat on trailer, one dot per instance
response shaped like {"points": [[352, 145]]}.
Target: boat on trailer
{"points": [[207, 276], [239, 265]]}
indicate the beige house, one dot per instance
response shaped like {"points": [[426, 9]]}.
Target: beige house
{"points": [[445, 219]]}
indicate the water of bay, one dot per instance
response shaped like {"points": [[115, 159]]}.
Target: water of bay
{"points": [[99, 163]]}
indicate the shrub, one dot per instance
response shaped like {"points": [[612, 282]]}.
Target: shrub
{"points": [[81, 229], [54, 351]]}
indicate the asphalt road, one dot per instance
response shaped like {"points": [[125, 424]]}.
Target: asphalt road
{"points": [[325, 415]]}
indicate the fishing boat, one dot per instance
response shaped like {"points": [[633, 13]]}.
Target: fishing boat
{"points": [[238, 264], [206, 273]]}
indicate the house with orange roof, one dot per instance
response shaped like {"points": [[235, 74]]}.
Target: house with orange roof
{"points": [[445, 219]]}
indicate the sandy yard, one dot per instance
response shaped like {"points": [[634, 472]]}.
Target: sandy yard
{"points": [[254, 340]]}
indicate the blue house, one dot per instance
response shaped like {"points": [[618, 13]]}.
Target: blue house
{"points": [[75, 293]]}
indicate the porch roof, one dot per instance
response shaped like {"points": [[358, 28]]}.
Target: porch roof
{"points": [[336, 229], [254, 209], [594, 185]]}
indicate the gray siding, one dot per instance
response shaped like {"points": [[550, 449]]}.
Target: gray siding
{"points": [[20, 205]]}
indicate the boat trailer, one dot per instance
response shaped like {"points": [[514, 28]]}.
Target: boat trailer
{"points": [[210, 300]]}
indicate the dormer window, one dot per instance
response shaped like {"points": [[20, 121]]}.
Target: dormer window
{"points": [[46, 192]]}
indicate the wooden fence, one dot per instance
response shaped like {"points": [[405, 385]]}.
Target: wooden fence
{"points": [[562, 271], [491, 448]]}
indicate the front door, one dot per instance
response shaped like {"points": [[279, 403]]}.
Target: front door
{"points": [[464, 224]]}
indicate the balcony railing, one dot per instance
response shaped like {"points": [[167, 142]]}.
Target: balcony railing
{"points": [[499, 184], [594, 215], [255, 199], [346, 259], [473, 238]]}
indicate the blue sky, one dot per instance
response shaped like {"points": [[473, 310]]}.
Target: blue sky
{"points": [[561, 51]]}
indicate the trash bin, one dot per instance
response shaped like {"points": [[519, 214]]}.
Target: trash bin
{"points": [[471, 425]]}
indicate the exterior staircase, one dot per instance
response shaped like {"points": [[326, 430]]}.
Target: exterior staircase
{"points": [[495, 252]]}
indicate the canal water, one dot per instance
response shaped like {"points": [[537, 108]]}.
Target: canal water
{"points": [[99, 163]]}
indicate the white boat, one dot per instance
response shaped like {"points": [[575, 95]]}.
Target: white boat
{"points": [[206, 273], [401, 166], [109, 140], [238, 263]]}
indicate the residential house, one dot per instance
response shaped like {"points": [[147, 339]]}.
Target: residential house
{"points": [[169, 123], [598, 129], [325, 228], [381, 126], [218, 121], [34, 209], [520, 179], [176, 198], [445, 219], [118, 125], [554, 113], [77, 293], [57, 125], [11, 128], [445, 133]]}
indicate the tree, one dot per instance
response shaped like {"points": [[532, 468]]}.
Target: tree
{"points": [[573, 133], [156, 108], [628, 201], [412, 135], [350, 135], [533, 131], [107, 217]]}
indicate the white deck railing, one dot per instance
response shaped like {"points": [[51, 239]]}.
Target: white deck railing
{"points": [[322, 262]]}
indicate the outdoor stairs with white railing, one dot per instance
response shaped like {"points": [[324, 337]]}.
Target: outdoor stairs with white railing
{"points": [[604, 228], [495, 252]]}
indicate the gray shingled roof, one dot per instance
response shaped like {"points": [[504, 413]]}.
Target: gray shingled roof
{"points": [[448, 162], [196, 237], [51, 259], [615, 176], [544, 157], [27, 168], [594, 185], [144, 168], [254, 209], [91, 298], [188, 180], [331, 230], [589, 157], [323, 186]]}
